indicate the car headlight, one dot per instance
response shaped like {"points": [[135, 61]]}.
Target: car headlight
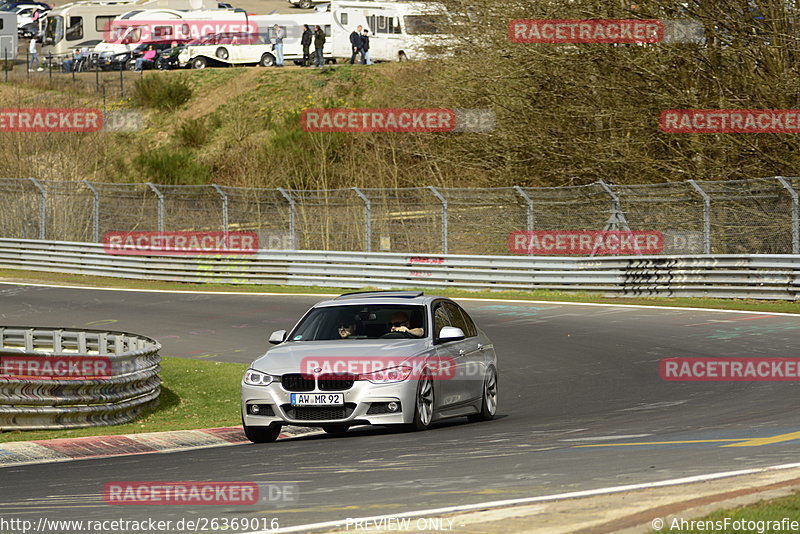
{"points": [[388, 376], [257, 378]]}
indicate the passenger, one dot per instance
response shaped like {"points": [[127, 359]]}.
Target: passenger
{"points": [[278, 46], [170, 60], [347, 330], [400, 323]]}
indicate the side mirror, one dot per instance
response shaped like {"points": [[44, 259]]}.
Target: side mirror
{"points": [[277, 337], [451, 333]]}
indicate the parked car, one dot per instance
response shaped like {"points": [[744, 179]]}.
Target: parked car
{"points": [[376, 358], [306, 4], [12, 6], [238, 48]]}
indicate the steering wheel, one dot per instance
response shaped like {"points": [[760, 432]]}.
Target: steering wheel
{"points": [[397, 335]]}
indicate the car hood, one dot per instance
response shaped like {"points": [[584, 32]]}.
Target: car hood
{"points": [[289, 357]]}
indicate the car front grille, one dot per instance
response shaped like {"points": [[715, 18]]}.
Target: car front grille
{"points": [[297, 382], [336, 382], [318, 413]]}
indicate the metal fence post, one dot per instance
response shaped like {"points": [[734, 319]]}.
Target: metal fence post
{"points": [[706, 216], [221, 193], [292, 231], [529, 202], [160, 196], [444, 216], [795, 215], [95, 211], [42, 208], [367, 220]]}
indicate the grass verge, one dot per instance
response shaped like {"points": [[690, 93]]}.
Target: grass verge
{"points": [[10, 275], [194, 394], [767, 512]]}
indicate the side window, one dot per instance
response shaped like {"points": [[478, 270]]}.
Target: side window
{"points": [[440, 319], [343, 19], [471, 330], [102, 23], [1, 23], [75, 29], [455, 315], [327, 30]]}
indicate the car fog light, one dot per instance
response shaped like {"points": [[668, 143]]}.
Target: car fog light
{"points": [[254, 409], [392, 406]]}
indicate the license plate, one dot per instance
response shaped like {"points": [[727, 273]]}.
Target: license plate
{"points": [[317, 399]]}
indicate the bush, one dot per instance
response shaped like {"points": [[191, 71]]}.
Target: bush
{"points": [[193, 132], [162, 92], [172, 167]]}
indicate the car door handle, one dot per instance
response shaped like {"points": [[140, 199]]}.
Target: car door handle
{"points": [[480, 347], [461, 352]]}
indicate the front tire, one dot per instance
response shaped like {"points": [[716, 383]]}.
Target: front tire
{"points": [[262, 434], [423, 404], [489, 401], [267, 60], [199, 63], [305, 4]]}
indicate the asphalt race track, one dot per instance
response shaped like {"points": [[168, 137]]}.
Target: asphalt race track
{"points": [[570, 376]]}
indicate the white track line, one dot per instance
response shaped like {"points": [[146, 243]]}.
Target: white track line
{"points": [[527, 500], [520, 301]]}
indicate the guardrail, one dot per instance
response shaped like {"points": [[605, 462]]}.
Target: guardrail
{"points": [[34, 400], [723, 276]]}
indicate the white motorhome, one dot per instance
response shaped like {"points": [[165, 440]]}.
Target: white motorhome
{"points": [[8, 35], [398, 30], [133, 28], [81, 25]]}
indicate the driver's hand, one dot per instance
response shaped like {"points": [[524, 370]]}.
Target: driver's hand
{"points": [[399, 329]]}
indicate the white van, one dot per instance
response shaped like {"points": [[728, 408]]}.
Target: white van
{"points": [[8, 35], [81, 25], [398, 31], [232, 49], [133, 28]]}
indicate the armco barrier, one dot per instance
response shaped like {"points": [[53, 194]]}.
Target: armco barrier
{"points": [[723, 276], [128, 386]]}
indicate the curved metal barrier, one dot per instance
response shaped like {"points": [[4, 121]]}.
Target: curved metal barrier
{"points": [[53, 378], [759, 276]]}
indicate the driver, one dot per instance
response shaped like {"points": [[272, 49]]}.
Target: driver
{"points": [[400, 323]]}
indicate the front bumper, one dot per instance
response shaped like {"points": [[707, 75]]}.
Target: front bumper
{"points": [[358, 401]]}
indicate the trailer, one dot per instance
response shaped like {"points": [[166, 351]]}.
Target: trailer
{"points": [[84, 24], [8, 35], [398, 31]]}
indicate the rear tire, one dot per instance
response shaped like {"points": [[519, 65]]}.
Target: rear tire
{"points": [[305, 4], [489, 401], [199, 63], [262, 434]]}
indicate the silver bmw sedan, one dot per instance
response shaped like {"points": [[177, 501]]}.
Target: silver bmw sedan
{"points": [[372, 358]]}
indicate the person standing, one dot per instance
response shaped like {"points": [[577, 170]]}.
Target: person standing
{"points": [[355, 43], [365, 48], [279, 35], [305, 40], [34, 55], [319, 43]]}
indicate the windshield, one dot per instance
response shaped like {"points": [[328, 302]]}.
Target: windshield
{"points": [[54, 31], [425, 24], [378, 321]]}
